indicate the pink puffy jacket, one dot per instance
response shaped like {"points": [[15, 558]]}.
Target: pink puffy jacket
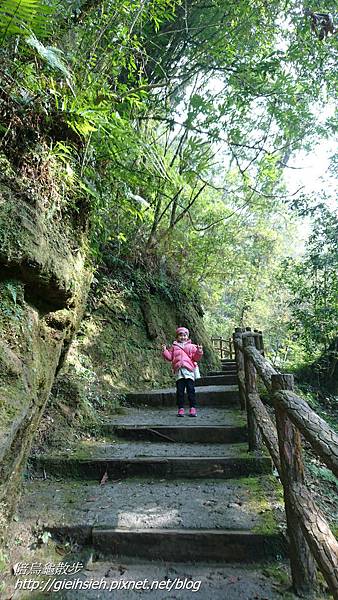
{"points": [[182, 358]]}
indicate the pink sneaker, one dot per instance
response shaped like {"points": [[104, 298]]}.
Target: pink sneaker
{"points": [[192, 412], [180, 412]]}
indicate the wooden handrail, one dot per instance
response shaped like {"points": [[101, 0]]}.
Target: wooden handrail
{"points": [[315, 430], [262, 365], [319, 537], [309, 533], [318, 433], [267, 428], [224, 347]]}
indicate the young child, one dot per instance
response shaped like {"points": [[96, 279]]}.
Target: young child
{"points": [[183, 355]]}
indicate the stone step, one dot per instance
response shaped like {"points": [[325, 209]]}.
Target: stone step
{"points": [[217, 380], [187, 545], [158, 416], [229, 367], [224, 373], [249, 504], [213, 395], [128, 578], [228, 361], [180, 433], [122, 448], [225, 466]]}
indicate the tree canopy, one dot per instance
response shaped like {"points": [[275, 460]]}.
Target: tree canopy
{"points": [[164, 127]]}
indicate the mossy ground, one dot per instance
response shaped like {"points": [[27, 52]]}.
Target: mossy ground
{"points": [[266, 498]]}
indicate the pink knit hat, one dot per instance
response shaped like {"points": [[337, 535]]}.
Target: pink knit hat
{"points": [[182, 330]]}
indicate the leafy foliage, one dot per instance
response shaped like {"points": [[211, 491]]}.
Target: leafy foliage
{"points": [[313, 283], [52, 56], [18, 17], [167, 127]]}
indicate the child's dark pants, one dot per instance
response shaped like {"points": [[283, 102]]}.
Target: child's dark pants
{"points": [[189, 384]]}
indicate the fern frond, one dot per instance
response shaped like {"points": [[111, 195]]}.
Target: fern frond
{"points": [[52, 56], [21, 17]]}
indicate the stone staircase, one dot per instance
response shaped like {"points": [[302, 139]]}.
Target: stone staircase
{"points": [[172, 489]]}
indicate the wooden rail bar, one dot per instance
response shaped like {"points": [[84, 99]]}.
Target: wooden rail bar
{"points": [[254, 436], [267, 429], [302, 562], [320, 435], [319, 537], [322, 438], [262, 365]]}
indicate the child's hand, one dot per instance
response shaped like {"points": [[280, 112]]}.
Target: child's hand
{"points": [[164, 347]]}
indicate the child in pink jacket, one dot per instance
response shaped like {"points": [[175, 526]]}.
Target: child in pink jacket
{"points": [[183, 355]]}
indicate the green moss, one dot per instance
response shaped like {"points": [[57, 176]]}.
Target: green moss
{"points": [[259, 502], [3, 561], [277, 572]]}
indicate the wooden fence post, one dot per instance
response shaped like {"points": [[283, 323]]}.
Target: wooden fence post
{"points": [[254, 435], [221, 346], [262, 343], [233, 353], [303, 568], [257, 339], [237, 337]]}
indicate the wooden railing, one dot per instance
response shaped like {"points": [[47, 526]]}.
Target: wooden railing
{"points": [[310, 538], [224, 347]]}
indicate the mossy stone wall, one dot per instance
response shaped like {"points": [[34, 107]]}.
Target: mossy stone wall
{"points": [[44, 282], [118, 346]]}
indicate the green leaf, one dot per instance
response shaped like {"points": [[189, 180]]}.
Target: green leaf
{"points": [[20, 17], [52, 56]]}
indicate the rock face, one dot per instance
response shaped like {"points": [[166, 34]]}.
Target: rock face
{"points": [[44, 282], [45, 276], [118, 347]]}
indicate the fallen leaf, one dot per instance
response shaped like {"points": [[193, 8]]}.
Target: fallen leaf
{"points": [[104, 479], [122, 569]]}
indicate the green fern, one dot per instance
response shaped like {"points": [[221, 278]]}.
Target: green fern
{"points": [[52, 56], [21, 17]]}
